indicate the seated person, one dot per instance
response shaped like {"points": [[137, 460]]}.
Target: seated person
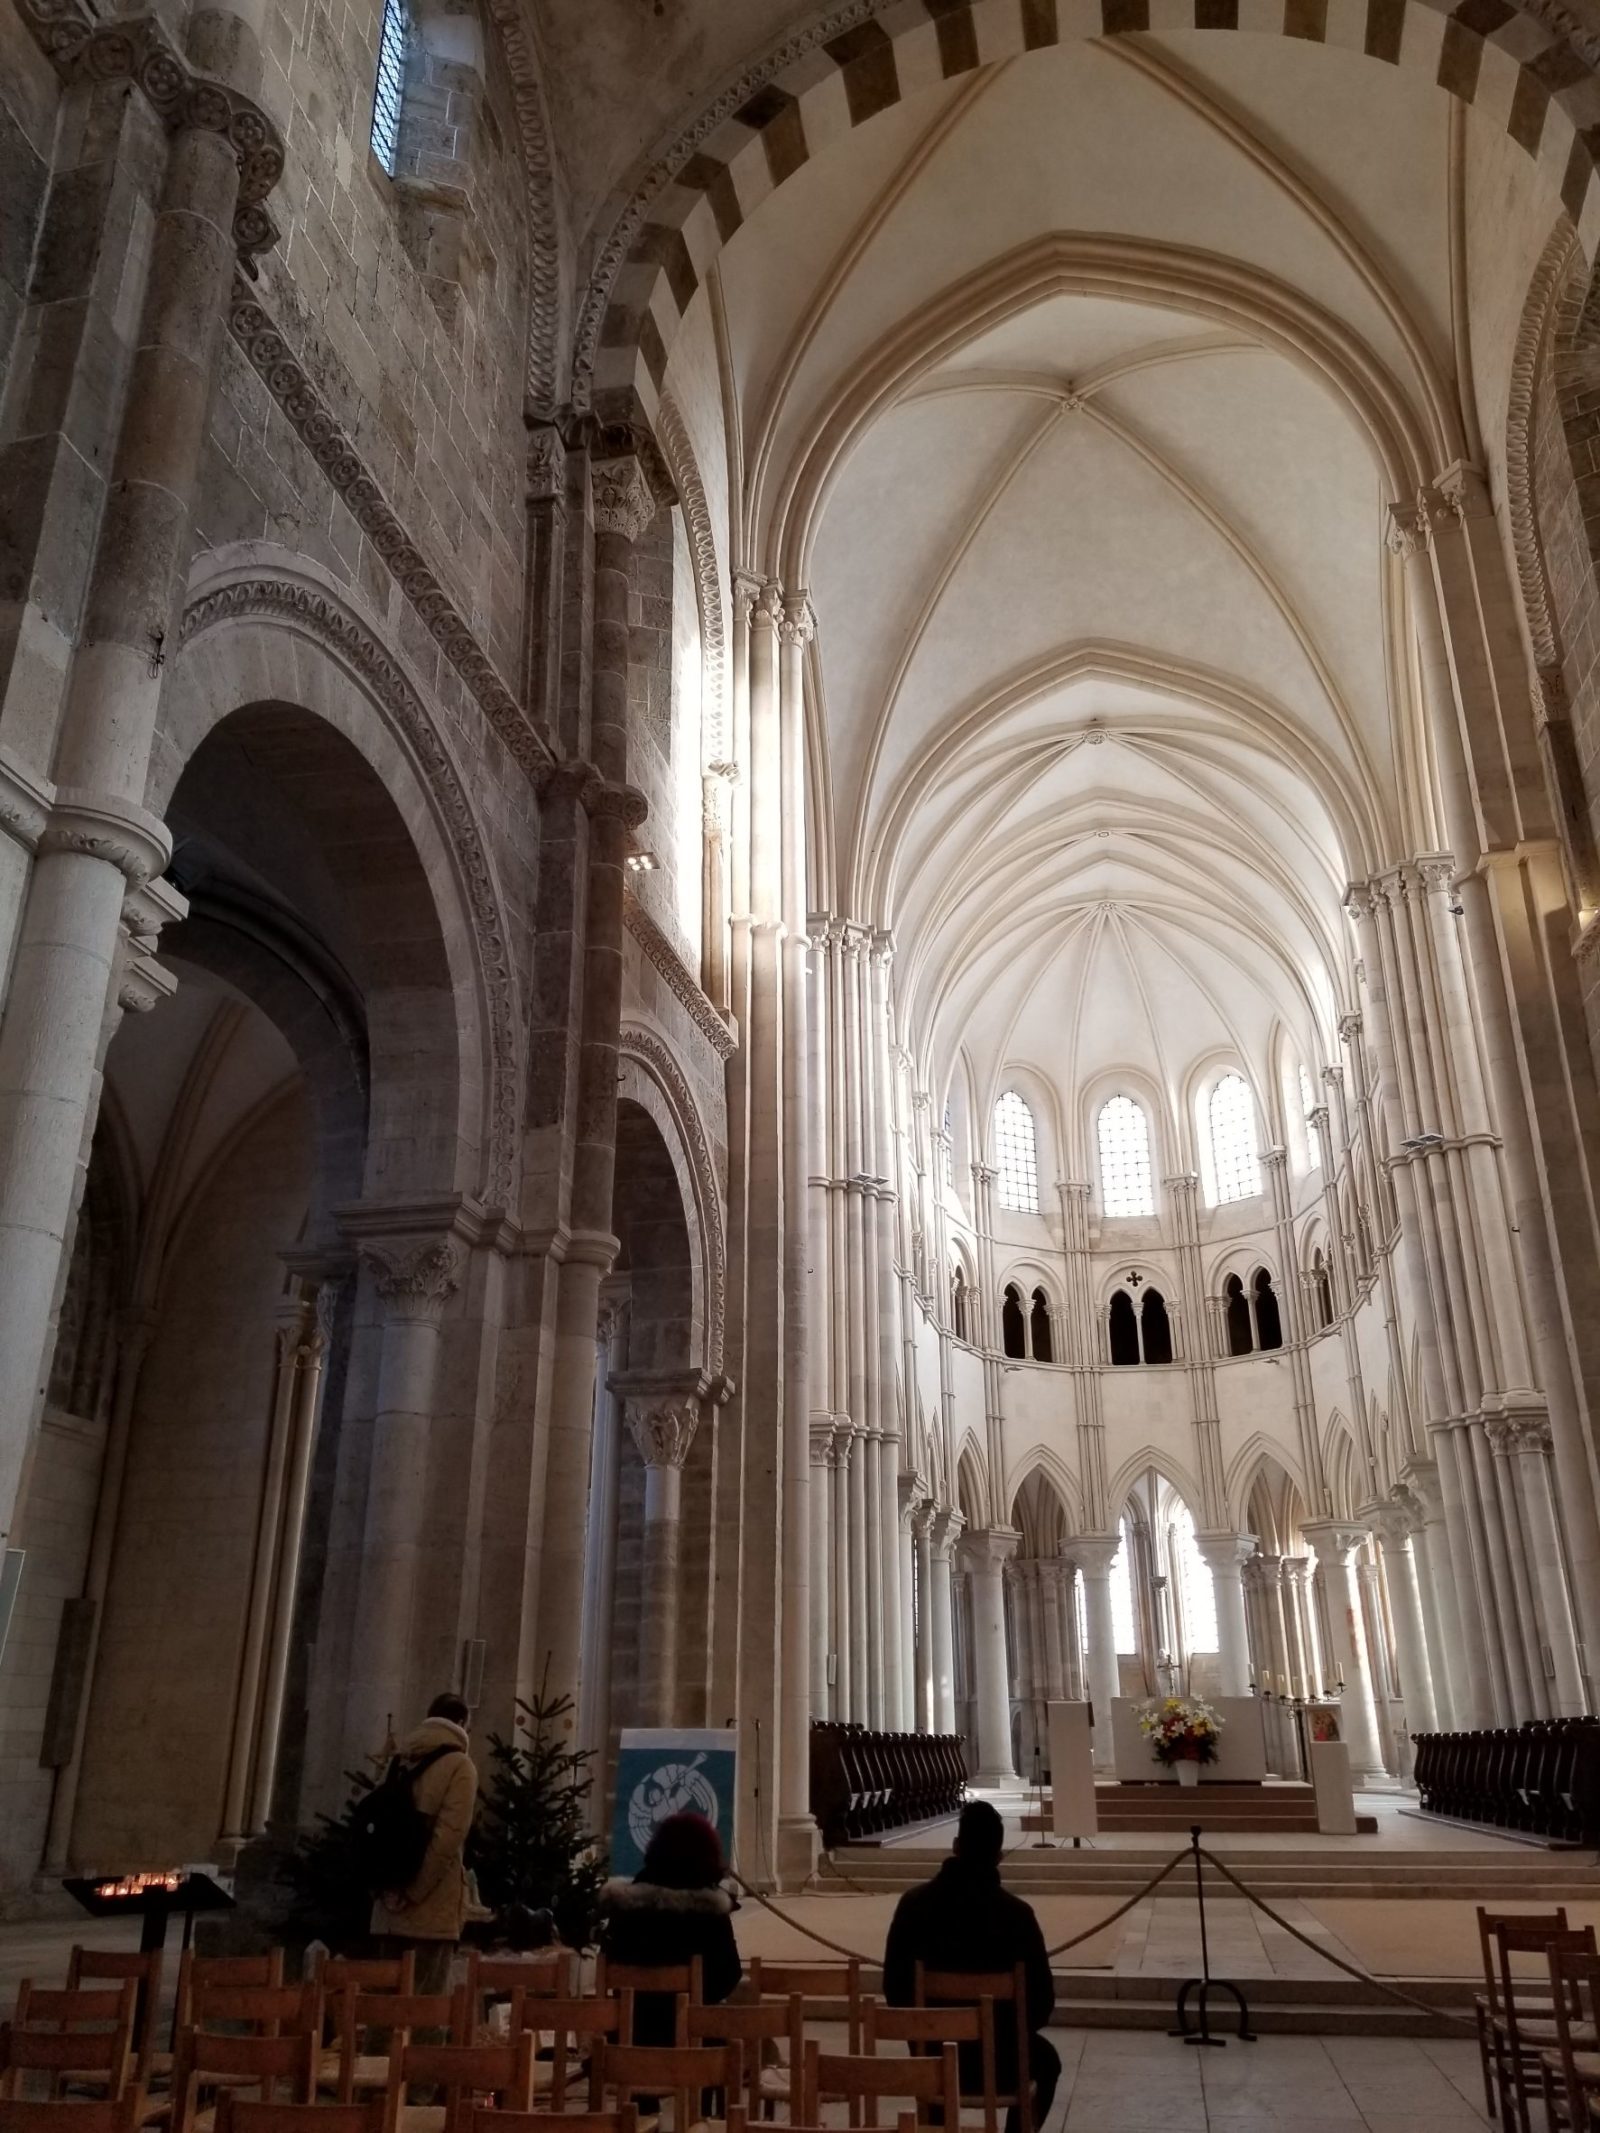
{"points": [[964, 1920], [674, 1909]]}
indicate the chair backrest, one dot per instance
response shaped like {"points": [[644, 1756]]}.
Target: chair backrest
{"points": [[55, 2007], [100, 2055], [196, 1970], [1521, 1996], [968, 1988], [624, 2119], [103, 2114], [682, 2071], [392, 2012], [268, 2010], [577, 2027], [87, 1966], [462, 2071], [813, 1981], [1492, 1923], [1574, 1999], [863, 2081], [380, 1973], [235, 2115], [613, 1977], [267, 2064], [504, 1976], [750, 2024], [923, 2028]]}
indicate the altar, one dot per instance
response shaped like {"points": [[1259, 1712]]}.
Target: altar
{"points": [[1241, 1745]]}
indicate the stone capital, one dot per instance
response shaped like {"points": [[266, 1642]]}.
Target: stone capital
{"points": [[1225, 1552], [798, 620], [547, 463], [1408, 528], [624, 502], [663, 1429], [821, 1438], [988, 1548], [126, 837], [1094, 1553], [1335, 1541], [944, 1530], [415, 1280], [1391, 1525], [1512, 1430]]}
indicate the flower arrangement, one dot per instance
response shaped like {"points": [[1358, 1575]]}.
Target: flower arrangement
{"points": [[1180, 1729]]}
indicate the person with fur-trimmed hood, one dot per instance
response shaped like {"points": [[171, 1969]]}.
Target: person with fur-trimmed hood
{"points": [[674, 1909]]}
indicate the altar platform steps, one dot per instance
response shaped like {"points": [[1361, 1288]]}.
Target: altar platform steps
{"points": [[1506, 1881], [1279, 2006], [1253, 1809]]}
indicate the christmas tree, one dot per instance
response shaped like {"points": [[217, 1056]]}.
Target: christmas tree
{"points": [[533, 1844]]}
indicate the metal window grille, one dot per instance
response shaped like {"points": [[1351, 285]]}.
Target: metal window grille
{"points": [[389, 91], [1017, 1154], [1236, 1165], [1125, 1187]]}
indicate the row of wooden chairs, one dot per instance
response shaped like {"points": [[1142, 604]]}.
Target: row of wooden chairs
{"points": [[239, 2025], [1543, 1777], [862, 1782], [1539, 2018]]}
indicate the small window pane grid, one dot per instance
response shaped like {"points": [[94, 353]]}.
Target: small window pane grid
{"points": [[389, 91], [1125, 1187], [1308, 1103], [947, 1156], [1124, 1634], [1235, 1164], [1199, 1595], [1016, 1153]]}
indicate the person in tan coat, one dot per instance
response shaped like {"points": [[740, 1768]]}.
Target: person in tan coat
{"points": [[428, 1914]]}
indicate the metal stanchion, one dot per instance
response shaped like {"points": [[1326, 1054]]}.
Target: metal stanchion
{"points": [[1205, 1984]]}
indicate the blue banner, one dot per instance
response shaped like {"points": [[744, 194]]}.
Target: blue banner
{"points": [[670, 1770]]}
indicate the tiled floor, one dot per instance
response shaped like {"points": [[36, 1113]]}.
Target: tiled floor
{"points": [[1115, 2081]]}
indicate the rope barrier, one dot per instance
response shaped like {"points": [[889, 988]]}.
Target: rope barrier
{"points": [[1365, 1977]]}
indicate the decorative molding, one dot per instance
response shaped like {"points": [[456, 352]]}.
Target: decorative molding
{"points": [[624, 503], [321, 618], [646, 1047], [542, 379], [1527, 548], [676, 448], [137, 49], [663, 1430], [349, 476], [547, 463], [1508, 1434], [660, 952], [124, 836]]}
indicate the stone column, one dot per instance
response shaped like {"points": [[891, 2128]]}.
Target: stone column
{"points": [[911, 1493], [1303, 1659], [1337, 1548], [984, 1557], [942, 1536], [1393, 1532], [1384, 1703], [843, 1614], [600, 1528], [98, 842], [663, 1430], [1051, 1576], [1225, 1555], [414, 1281], [1523, 1442], [822, 1641], [924, 1714], [1423, 1498], [1095, 1553]]}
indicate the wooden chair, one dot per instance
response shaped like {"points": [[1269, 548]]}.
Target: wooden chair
{"points": [[1521, 2019], [624, 2119], [460, 2072], [551, 1972], [104, 2114], [102, 2056], [256, 2010], [930, 2084], [93, 1966], [194, 1970], [752, 2024], [1570, 2075], [969, 1988], [681, 1980], [828, 1982], [366, 2025], [234, 2116], [922, 2029], [205, 2060], [682, 2071], [576, 2029], [1484, 2003]]}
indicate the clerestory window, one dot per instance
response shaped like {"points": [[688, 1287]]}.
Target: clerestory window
{"points": [[1235, 1157], [390, 87], [1124, 1135], [1016, 1154]]}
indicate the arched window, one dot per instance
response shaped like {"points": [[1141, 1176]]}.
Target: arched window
{"points": [[1039, 1328], [1013, 1325], [1269, 1321], [1155, 1329], [1235, 1163], [958, 1304], [1016, 1154], [1308, 1103], [1196, 1592], [1241, 1335], [1123, 1630], [947, 1153], [1123, 1322], [389, 89], [1124, 1136], [1322, 1288]]}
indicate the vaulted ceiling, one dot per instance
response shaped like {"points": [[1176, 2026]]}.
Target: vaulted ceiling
{"points": [[1062, 389]]}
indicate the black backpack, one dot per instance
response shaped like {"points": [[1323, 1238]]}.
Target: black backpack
{"points": [[389, 1831]]}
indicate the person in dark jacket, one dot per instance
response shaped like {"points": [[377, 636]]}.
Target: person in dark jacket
{"points": [[964, 1920], [674, 1909]]}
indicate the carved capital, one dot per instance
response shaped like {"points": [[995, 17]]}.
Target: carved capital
{"points": [[988, 1549], [547, 464], [944, 1530], [1225, 1552], [1094, 1553], [798, 622], [115, 831], [1335, 1542], [1512, 1433], [822, 1433], [624, 503], [619, 803], [1408, 529], [414, 1280], [663, 1430]]}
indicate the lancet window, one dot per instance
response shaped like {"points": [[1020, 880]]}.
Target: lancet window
{"points": [[1124, 1136], [389, 88], [1235, 1155], [1016, 1154]]}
